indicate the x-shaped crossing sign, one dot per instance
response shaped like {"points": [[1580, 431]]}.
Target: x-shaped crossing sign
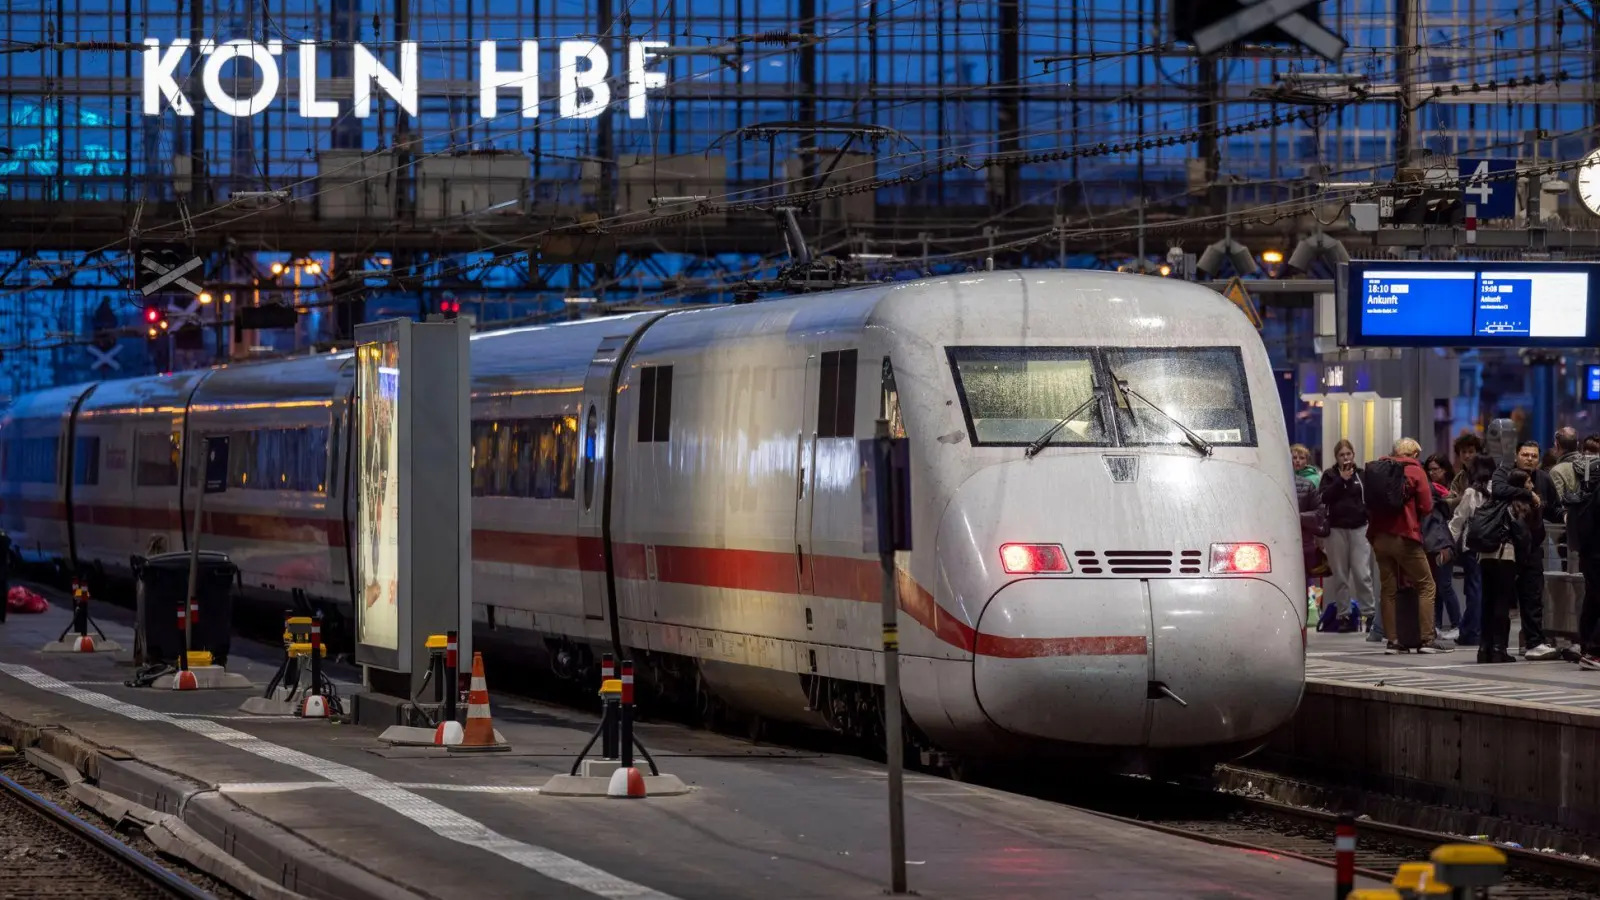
{"points": [[169, 275], [1258, 14], [105, 358]]}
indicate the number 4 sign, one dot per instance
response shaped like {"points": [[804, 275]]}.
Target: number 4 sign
{"points": [[1491, 185]]}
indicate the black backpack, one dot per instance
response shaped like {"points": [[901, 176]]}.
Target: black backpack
{"points": [[1489, 527], [1384, 488], [1583, 507]]}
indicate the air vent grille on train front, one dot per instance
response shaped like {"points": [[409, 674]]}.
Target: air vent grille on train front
{"points": [[1136, 562]]}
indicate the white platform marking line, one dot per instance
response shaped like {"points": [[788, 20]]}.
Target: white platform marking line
{"points": [[439, 819], [282, 787]]}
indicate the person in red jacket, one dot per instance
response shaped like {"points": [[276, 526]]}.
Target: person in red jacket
{"points": [[1397, 543]]}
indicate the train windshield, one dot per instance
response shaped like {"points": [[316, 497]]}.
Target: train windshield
{"points": [[1202, 388], [1013, 395]]}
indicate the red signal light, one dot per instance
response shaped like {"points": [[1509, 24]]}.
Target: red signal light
{"points": [[1029, 559], [1240, 559], [152, 314]]}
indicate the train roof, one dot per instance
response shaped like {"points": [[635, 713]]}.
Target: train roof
{"points": [[1015, 307]]}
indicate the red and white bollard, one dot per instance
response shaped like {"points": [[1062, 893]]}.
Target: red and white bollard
{"points": [[626, 781], [1344, 856], [184, 680]]}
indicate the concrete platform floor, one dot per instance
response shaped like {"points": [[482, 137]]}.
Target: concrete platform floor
{"points": [[1351, 659], [761, 822]]}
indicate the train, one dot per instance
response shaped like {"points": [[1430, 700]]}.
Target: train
{"points": [[1106, 563]]}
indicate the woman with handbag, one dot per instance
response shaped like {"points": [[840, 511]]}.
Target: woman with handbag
{"points": [[1349, 554]]}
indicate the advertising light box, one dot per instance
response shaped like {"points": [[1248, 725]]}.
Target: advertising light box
{"points": [[1468, 304], [412, 529]]}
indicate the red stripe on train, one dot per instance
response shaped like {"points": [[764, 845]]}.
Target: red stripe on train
{"points": [[834, 577]]}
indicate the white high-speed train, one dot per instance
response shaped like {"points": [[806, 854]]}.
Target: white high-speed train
{"points": [[1107, 547]]}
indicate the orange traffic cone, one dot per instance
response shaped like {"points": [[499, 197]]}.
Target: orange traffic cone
{"points": [[479, 733]]}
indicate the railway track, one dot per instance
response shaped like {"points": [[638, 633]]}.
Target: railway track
{"points": [[47, 853], [1256, 824]]}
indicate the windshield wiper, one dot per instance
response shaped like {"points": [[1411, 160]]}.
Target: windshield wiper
{"points": [[1199, 443], [1043, 439]]}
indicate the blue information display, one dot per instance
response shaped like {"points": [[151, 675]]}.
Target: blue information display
{"points": [[1591, 384], [1409, 304]]}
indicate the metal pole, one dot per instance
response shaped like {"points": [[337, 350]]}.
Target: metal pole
{"points": [[894, 743], [194, 557]]}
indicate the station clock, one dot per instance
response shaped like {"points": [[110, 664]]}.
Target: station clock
{"points": [[1589, 182]]}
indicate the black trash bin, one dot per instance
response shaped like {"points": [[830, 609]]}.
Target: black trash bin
{"points": [[5, 573], [163, 583]]}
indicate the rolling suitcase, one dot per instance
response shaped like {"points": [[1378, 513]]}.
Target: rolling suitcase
{"points": [[1407, 625]]}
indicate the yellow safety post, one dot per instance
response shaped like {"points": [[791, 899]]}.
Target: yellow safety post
{"points": [[1468, 866], [1417, 879]]}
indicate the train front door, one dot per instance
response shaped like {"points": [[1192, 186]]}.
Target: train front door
{"points": [[594, 423], [806, 476]]}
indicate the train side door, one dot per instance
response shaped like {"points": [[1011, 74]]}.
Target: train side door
{"points": [[806, 476], [594, 426], [341, 563]]}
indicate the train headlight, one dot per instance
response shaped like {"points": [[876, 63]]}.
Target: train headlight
{"points": [[1030, 559], [1240, 559]]}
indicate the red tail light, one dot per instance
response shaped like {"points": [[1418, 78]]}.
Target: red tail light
{"points": [[1240, 559], [1028, 559]]}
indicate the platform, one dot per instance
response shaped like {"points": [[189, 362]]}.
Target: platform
{"points": [[1512, 741], [329, 812]]}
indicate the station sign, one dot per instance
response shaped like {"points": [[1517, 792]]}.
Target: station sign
{"points": [[582, 78], [1490, 185], [1468, 304]]}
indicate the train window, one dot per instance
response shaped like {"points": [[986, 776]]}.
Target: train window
{"points": [[279, 459], [889, 406], [591, 435], [655, 403], [32, 460], [535, 458], [1202, 387], [155, 459], [836, 396], [1012, 395], [86, 461]]}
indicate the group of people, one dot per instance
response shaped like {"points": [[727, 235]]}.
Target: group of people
{"points": [[1408, 523]]}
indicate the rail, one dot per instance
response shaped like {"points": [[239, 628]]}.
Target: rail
{"points": [[117, 856]]}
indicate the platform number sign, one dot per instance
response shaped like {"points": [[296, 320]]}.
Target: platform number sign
{"points": [[1491, 186], [216, 464]]}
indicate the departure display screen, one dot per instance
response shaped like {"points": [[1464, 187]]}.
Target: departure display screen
{"points": [[1471, 304], [378, 495], [1591, 384]]}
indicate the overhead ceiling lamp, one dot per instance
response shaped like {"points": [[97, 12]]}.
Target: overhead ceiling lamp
{"points": [[1318, 246], [1211, 260]]}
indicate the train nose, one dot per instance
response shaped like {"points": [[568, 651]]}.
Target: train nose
{"points": [[1158, 653], [1139, 662]]}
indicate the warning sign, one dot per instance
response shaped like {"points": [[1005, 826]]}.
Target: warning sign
{"points": [[1241, 298]]}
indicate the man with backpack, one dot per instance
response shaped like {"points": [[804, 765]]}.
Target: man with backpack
{"points": [[1530, 565], [1576, 478], [1398, 498]]}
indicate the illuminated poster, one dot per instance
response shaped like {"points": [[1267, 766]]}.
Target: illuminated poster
{"points": [[378, 507]]}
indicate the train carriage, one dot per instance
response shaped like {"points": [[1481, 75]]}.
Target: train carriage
{"points": [[1106, 550]]}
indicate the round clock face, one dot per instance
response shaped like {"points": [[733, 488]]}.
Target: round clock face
{"points": [[1589, 182]]}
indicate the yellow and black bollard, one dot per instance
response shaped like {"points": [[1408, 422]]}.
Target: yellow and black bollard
{"points": [[1468, 868]]}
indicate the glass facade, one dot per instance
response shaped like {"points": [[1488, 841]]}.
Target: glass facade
{"points": [[941, 82]]}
